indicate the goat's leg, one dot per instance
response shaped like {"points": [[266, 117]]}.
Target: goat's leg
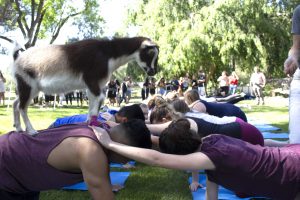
{"points": [[94, 104], [16, 112], [26, 93], [29, 128]]}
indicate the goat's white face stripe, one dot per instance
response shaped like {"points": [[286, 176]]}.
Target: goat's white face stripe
{"points": [[154, 58]]}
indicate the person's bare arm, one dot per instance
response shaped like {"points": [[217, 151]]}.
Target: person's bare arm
{"points": [[194, 161], [211, 190], [94, 166], [156, 129]]}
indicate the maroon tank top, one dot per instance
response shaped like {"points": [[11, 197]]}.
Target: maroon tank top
{"points": [[23, 159], [253, 169]]}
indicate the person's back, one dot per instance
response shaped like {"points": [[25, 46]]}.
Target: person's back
{"points": [[63, 156], [26, 157], [252, 169], [224, 109], [206, 128]]}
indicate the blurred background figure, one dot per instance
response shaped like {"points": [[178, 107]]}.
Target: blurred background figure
{"points": [[233, 82], [224, 84], [145, 89], [2, 88], [112, 92], [258, 82], [201, 83]]}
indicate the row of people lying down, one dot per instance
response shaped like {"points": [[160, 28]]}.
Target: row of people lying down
{"points": [[57, 153]]}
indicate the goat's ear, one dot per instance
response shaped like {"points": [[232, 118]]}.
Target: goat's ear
{"points": [[148, 43]]}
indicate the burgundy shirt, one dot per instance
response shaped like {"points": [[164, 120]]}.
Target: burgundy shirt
{"points": [[23, 159], [252, 169]]}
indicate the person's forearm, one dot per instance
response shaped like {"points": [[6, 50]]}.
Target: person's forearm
{"points": [[146, 156], [211, 190], [296, 42], [156, 129], [195, 176]]}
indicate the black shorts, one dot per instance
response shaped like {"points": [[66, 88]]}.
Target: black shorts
{"points": [[15, 196]]}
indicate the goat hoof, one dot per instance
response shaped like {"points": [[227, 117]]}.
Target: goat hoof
{"points": [[32, 132], [94, 123]]}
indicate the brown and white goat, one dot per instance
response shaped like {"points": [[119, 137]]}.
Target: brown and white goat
{"points": [[84, 64]]}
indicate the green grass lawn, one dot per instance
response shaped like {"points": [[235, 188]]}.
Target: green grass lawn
{"points": [[145, 182]]}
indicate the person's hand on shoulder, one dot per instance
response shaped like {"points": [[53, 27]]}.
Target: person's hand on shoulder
{"points": [[102, 136], [107, 116]]}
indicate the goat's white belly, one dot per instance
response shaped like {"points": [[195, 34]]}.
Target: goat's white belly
{"points": [[61, 84]]}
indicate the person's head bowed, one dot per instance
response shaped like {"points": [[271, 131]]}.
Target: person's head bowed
{"points": [[179, 138]]}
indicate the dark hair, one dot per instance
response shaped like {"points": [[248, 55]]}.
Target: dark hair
{"points": [[132, 112], [137, 133], [180, 106], [178, 138], [191, 96]]}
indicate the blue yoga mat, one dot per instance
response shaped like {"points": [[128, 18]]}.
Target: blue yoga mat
{"points": [[224, 194], [269, 135], [119, 165], [266, 127], [263, 126], [117, 178]]}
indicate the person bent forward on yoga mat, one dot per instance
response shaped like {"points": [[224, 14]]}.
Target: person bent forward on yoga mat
{"points": [[236, 165], [63, 156]]}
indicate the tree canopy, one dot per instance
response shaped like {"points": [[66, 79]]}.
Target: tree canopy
{"points": [[43, 19], [217, 35], [212, 35]]}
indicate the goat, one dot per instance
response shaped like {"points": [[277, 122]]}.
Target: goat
{"points": [[79, 65]]}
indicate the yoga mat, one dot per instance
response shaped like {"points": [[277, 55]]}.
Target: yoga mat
{"points": [[266, 127], [263, 126], [119, 165], [269, 135], [224, 194], [117, 178]]}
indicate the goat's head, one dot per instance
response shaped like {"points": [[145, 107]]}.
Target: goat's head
{"points": [[148, 56]]}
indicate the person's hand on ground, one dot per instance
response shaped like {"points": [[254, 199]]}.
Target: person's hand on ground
{"points": [[194, 186]]}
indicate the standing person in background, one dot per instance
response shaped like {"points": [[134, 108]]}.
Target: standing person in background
{"points": [[118, 95], [175, 84], [2, 88], [69, 97], [224, 84], [129, 89], [186, 82], [152, 86], [123, 91], [161, 86], [292, 67], [112, 92], [258, 82], [201, 82], [145, 89], [79, 97], [194, 83], [233, 82]]}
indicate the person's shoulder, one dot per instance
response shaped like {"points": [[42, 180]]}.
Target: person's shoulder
{"points": [[89, 145]]}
